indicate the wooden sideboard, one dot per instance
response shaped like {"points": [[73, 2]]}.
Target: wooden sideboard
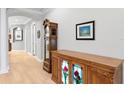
{"points": [[71, 67]]}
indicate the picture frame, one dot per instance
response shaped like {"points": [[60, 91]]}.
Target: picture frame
{"points": [[38, 34], [85, 31], [18, 35]]}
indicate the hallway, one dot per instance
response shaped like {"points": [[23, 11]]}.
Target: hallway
{"points": [[25, 69]]}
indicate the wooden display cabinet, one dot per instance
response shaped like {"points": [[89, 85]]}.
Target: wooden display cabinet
{"points": [[50, 42], [83, 68]]}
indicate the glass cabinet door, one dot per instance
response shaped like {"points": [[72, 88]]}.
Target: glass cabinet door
{"points": [[77, 74], [65, 72], [47, 42]]}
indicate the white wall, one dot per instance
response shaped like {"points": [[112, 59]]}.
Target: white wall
{"points": [[18, 45], [0, 35], [109, 30], [39, 47], [4, 67], [38, 41], [27, 29]]}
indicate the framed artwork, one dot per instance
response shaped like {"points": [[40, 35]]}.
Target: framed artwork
{"points": [[38, 34], [18, 35], [85, 31]]}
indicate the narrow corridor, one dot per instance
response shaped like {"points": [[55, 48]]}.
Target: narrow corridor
{"points": [[24, 68]]}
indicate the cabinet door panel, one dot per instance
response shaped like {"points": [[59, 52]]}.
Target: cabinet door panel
{"points": [[55, 69], [78, 73], [98, 76], [65, 71]]}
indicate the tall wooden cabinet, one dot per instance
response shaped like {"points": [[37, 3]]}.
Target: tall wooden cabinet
{"points": [[50, 42], [69, 67]]}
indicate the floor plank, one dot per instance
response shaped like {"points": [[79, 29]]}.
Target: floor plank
{"points": [[25, 69]]}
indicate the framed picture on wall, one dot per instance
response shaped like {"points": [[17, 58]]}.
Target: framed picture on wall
{"points": [[85, 31], [18, 35], [38, 34]]}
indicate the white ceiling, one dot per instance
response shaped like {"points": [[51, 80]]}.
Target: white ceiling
{"points": [[19, 16], [17, 20]]}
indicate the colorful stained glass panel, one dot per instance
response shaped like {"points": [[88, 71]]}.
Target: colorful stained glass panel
{"points": [[65, 72], [77, 74]]}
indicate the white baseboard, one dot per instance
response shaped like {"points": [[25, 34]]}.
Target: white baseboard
{"points": [[4, 71], [123, 73], [42, 60], [19, 50], [29, 53], [38, 59]]}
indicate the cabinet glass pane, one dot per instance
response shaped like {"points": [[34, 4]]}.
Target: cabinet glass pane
{"points": [[47, 47], [53, 44], [77, 74], [65, 72]]}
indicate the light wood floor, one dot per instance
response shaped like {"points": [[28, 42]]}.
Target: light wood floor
{"points": [[25, 69]]}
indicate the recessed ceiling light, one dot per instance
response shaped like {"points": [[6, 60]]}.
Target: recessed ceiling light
{"points": [[16, 20]]}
